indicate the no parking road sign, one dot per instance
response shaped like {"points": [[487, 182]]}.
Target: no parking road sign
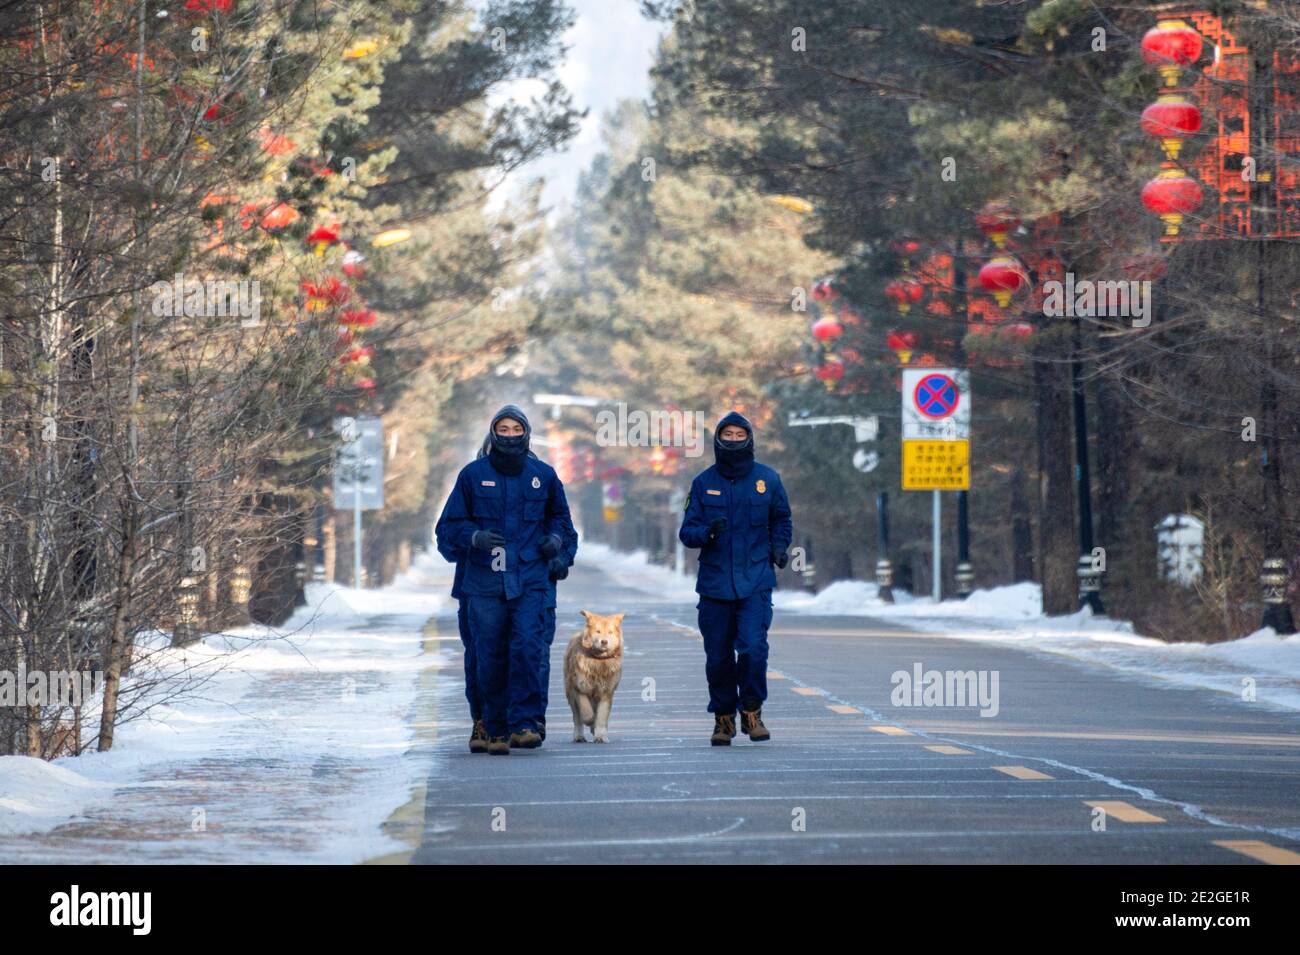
{"points": [[936, 429]]}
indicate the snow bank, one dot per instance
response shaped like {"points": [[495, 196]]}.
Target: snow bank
{"points": [[36, 795], [1013, 615], [301, 725]]}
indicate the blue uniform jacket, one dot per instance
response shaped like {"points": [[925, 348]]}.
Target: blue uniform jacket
{"points": [[523, 508], [739, 562]]}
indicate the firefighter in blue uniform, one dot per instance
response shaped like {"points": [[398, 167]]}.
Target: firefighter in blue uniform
{"points": [[507, 523], [738, 515]]}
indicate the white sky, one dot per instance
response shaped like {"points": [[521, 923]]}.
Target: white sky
{"points": [[610, 50]]}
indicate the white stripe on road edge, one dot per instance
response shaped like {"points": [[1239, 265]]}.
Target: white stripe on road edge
{"points": [[1143, 792]]}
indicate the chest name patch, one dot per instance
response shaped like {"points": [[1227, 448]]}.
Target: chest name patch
{"points": [[488, 483], [711, 491]]}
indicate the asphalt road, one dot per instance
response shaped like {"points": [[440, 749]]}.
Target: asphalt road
{"points": [[1181, 775]]}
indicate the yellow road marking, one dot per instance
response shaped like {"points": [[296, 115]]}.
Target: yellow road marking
{"points": [[807, 691], [841, 708], [1022, 772], [949, 750], [1261, 851], [1123, 811], [773, 675], [891, 730]]}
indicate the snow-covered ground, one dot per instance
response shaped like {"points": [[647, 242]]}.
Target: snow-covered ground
{"points": [[1013, 615], [295, 746]]}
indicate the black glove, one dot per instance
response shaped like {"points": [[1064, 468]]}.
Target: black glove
{"points": [[781, 558], [716, 527], [557, 569], [550, 546], [487, 540]]}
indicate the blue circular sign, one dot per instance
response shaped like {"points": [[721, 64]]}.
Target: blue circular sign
{"points": [[936, 396]]}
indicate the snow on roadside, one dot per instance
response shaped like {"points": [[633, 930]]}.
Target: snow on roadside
{"points": [[1013, 615], [305, 725]]}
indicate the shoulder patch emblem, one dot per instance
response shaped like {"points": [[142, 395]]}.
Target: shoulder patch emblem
{"points": [[687, 507], [712, 491], [761, 486], [537, 482], [488, 483]]}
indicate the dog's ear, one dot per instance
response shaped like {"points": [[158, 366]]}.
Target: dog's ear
{"points": [[586, 615], [618, 619]]}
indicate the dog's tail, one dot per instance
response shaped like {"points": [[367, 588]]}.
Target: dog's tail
{"points": [[585, 711]]}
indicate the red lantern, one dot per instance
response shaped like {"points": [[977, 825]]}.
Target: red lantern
{"points": [[997, 220], [1004, 277], [907, 247], [1019, 330], [902, 345], [279, 215], [322, 237], [1169, 46], [830, 372], [1171, 119], [1171, 195], [329, 292], [827, 329], [823, 291], [904, 293]]}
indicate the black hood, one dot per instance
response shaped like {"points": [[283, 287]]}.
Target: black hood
{"points": [[735, 459], [508, 454]]}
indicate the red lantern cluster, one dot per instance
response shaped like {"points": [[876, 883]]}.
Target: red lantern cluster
{"points": [[1170, 46]]}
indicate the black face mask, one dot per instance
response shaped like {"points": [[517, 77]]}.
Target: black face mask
{"points": [[508, 453], [735, 459]]}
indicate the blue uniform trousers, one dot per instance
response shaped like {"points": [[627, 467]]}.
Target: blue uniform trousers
{"points": [[735, 649], [471, 660], [509, 639]]}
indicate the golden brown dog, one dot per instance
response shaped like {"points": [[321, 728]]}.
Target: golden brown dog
{"points": [[593, 665]]}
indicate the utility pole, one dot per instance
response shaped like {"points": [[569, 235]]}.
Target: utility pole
{"points": [[1088, 572]]}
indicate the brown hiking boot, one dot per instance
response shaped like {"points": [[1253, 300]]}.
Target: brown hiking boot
{"points": [[751, 722], [478, 738], [498, 746], [724, 728], [525, 739]]}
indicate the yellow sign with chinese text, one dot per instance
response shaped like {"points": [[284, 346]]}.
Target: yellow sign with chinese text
{"points": [[930, 465]]}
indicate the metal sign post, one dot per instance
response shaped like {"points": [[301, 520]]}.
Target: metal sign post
{"points": [[936, 443], [359, 475]]}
